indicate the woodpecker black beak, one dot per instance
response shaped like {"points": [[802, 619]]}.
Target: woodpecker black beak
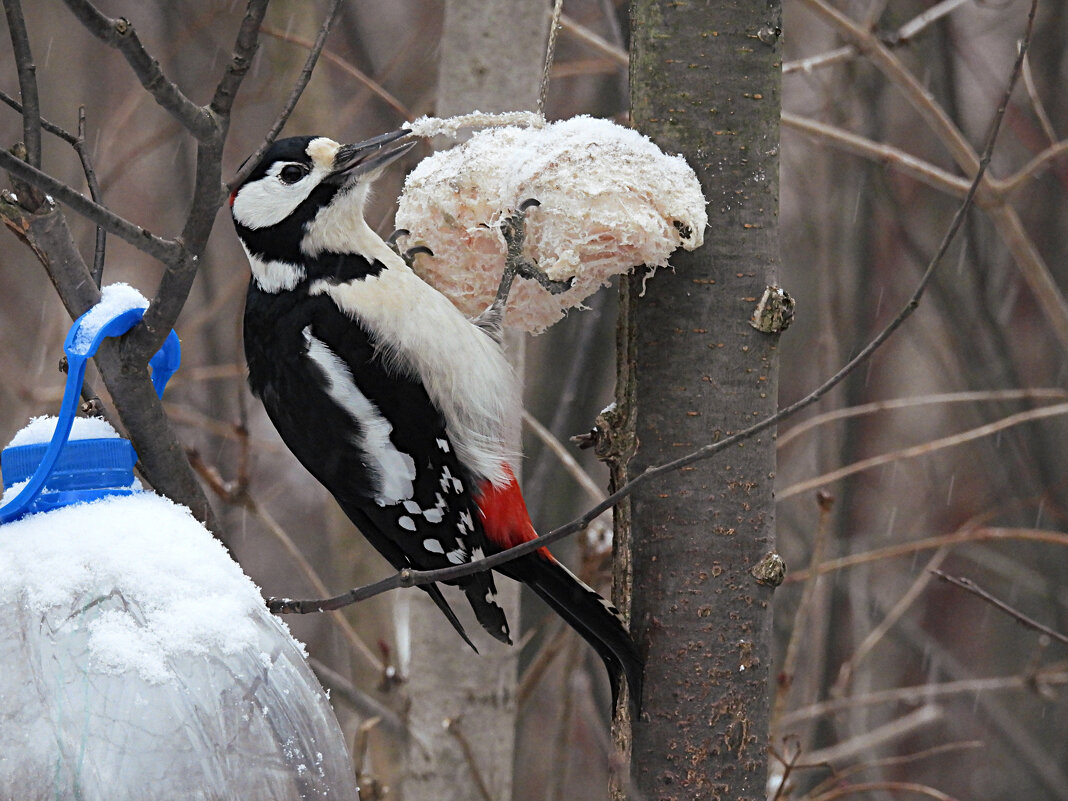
{"points": [[365, 157]]}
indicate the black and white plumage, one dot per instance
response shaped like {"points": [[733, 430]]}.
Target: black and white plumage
{"points": [[386, 393]]}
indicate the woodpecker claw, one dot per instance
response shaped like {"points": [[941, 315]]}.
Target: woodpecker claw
{"points": [[409, 254]]}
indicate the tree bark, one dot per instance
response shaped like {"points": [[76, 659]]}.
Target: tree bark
{"points": [[491, 56], [705, 82]]}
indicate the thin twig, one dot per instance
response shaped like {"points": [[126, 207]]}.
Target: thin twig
{"points": [[567, 461], [1035, 272], [452, 726], [157, 247], [923, 449], [76, 141], [615, 54], [919, 584], [1052, 153], [346, 66], [895, 761], [986, 534], [810, 63], [177, 280], [1016, 614], [882, 153], [120, 34], [799, 630], [294, 96], [929, 691], [1036, 103], [869, 741], [27, 74], [1039, 393], [245, 47], [542, 661], [100, 245], [365, 705], [51, 127], [912, 28], [870, 788]]}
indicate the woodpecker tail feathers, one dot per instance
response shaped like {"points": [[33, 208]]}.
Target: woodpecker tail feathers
{"points": [[593, 617], [435, 593]]}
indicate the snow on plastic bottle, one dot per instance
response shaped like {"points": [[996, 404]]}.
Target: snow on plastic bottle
{"points": [[137, 661]]}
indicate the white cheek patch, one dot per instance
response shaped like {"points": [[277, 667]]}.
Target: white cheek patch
{"points": [[268, 201], [393, 472]]}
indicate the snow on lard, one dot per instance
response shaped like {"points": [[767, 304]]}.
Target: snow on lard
{"points": [[610, 200]]}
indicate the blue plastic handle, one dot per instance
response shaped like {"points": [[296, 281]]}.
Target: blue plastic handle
{"points": [[80, 346]]}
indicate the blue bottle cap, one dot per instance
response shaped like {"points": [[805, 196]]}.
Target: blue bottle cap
{"points": [[93, 470], [87, 469]]}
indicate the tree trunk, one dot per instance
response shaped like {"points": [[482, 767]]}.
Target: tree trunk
{"points": [[491, 57], [705, 82]]}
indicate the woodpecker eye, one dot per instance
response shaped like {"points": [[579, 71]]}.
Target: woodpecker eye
{"points": [[291, 173]]}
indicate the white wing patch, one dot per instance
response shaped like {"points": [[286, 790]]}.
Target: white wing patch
{"points": [[392, 471], [422, 334]]}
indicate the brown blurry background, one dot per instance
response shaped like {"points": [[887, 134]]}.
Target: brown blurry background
{"points": [[884, 660]]}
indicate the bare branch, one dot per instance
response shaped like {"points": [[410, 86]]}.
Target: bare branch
{"points": [[100, 247], [1039, 162], [347, 66], [1055, 676], [914, 26], [51, 127], [861, 146], [982, 396], [27, 72], [870, 788], [616, 54], [120, 34], [244, 51], [869, 44], [31, 107], [968, 535], [452, 726], [997, 603], [208, 195], [924, 448], [294, 96], [1036, 103], [365, 705], [162, 249]]}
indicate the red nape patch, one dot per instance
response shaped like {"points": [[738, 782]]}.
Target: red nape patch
{"points": [[504, 515], [233, 196]]}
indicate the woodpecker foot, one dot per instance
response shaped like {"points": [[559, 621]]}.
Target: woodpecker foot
{"points": [[409, 254], [513, 228]]}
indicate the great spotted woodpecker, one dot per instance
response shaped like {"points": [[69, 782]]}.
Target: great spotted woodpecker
{"points": [[398, 404]]}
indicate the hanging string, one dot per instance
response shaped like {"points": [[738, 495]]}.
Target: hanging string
{"points": [[550, 52]]}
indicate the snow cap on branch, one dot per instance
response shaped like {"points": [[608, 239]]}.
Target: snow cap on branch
{"points": [[611, 200]]}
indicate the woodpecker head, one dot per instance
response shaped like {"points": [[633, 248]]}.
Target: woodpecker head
{"points": [[306, 195]]}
